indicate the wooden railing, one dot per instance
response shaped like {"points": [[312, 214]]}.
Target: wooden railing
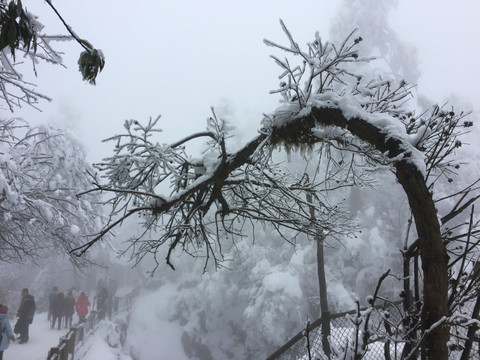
{"points": [[78, 333]]}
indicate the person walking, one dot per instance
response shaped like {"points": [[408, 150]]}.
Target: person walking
{"points": [[6, 329], [51, 298], [25, 314], [102, 299], [81, 306], [111, 290], [58, 310], [69, 308]]}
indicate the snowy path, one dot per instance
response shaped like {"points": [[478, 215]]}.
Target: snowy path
{"points": [[40, 342], [42, 339]]}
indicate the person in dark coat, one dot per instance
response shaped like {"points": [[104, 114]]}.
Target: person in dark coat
{"points": [[82, 305], [58, 310], [111, 289], [102, 299], [69, 306], [6, 330], [25, 314]]}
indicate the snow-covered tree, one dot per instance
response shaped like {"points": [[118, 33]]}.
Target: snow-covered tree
{"points": [[324, 100], [41, 171], [41, 168]]}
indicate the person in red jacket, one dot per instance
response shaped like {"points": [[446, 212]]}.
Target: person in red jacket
{"points": [[82, 305]]}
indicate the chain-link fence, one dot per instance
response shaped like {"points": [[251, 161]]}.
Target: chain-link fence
{"points": [[344, 331]]}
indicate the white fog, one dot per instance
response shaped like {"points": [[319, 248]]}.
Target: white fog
{"points": [[176, 60]]}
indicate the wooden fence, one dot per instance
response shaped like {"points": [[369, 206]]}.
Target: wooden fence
{"points": [[78, 333]]}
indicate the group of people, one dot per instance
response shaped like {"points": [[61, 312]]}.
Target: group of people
{"points": [[62, 307], [61, 310], [25, 314]]}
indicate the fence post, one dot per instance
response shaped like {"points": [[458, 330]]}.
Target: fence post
{"points": [[78, 328], [67, 346], [53, 353], [77, 334], [64, 350]]}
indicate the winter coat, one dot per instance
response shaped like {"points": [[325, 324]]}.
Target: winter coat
{"points": [[7, 332], [112, 287], [58, 306], [102, 298], [82, 305], [27, 308], [69, 305], [51, 297]]}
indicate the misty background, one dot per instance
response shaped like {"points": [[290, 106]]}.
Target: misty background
{"points": [[176, 59]]}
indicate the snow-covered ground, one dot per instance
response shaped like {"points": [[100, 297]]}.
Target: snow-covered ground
{"points": [[96, 347], [42, 339], [40, 342]]}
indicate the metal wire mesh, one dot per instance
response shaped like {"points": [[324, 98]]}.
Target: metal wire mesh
{"points": [[344, 330]]}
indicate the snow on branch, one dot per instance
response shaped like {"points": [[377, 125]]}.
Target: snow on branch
{"points": [[21, 32], [323, 81], [322, 62], [194, 202], [197, 203], [41, 171]]}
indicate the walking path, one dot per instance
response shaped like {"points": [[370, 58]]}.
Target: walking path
{"points": [[40, 341]]}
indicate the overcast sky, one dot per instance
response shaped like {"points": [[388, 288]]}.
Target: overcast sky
{"points": [[178, 58]]}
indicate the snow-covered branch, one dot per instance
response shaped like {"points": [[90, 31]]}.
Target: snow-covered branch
{"points": [[209, 197], [41, 171], [320, 93]]}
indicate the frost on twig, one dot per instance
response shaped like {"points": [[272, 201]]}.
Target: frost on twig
{"points": [[197, 204], [21, 34], [324, 76], [41, 171], [320, 69]]}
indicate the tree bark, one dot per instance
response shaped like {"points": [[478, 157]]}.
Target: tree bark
{"points": [[432, 250], [322, 287], [472, 329], [434, 260]]}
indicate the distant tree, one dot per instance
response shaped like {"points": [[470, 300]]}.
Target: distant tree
{"points": [[20, 32], [41, 171], [325, 101]]}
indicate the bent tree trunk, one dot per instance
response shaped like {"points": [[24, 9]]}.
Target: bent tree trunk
{"points": [[296, 131], [434, 261], [432, 249]]}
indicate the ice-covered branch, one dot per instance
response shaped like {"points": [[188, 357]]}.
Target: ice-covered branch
{"points": [[320, 93], [231, 186], [41, 170]]}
